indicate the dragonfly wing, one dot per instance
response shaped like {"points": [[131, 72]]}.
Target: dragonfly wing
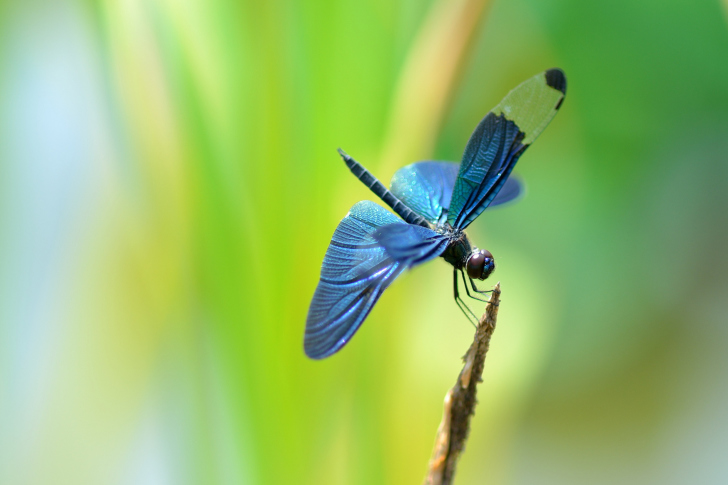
{"points": [[511, 190], [357, 268], [426, 188], [499, 140], [409, 243]]}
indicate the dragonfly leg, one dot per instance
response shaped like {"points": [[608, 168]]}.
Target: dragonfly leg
{"points": [[465, 283], [475, 288], [461, 304], [482, 292]]}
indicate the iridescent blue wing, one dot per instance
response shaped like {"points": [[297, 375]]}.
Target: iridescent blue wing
{"points": [[369, 249], [499, 140], [410, 243], [426, 188], [511, 190]]}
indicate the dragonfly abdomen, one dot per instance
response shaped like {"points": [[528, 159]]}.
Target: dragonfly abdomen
{"points": [[382, 192]]}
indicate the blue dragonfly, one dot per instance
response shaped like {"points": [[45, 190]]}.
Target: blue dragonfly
{"points": [[435, 202]]}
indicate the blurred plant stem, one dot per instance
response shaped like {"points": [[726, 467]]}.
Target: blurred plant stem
{"points": [[460, 401], [432, 70]]}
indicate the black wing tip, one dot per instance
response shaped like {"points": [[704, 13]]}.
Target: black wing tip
{"points": [[556, 79]]}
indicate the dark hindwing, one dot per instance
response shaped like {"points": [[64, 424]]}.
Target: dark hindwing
{"points": [[499, 140], [368, 250], [426, 188]]}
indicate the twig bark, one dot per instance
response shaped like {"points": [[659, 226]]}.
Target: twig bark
{"points": [[460, 401]]}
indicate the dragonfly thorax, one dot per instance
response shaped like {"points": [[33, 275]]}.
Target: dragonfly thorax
{"points": [[478, 263]]}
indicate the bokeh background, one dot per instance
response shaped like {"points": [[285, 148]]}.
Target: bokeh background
{"points": [[169, 184]]}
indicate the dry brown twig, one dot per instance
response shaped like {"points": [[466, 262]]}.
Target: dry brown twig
{"points": [[460, 400]]}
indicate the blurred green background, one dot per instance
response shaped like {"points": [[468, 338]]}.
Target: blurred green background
{"points": [[169, 185]]}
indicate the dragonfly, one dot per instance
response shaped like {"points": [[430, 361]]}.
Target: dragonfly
{"points": [[435, 201]]}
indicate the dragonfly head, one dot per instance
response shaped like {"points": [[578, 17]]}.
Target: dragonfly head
{"points": [[480, 264]]}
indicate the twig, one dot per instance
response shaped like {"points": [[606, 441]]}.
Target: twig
{"points": [[460, 401]]}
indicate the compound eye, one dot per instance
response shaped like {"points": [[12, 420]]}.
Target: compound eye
{"points": [[489, 266], [475, 265], [480, 264]]}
